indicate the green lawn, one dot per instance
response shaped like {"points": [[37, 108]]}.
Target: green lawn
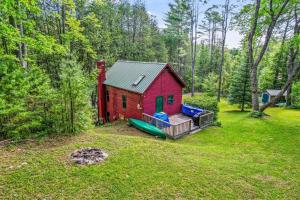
{"points": [[245, 159]]}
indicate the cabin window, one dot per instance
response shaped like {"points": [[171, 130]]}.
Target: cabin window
{"points": [[107, 95], [170, 99], [124, 103]]}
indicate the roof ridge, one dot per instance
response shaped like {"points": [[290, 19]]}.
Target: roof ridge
{"points": [[131, 61]]}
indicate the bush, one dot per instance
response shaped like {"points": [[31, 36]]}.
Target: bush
{"points": [[296, 94], [257, 114], [203, 101]]}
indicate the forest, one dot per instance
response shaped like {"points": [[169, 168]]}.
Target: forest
{"points": [[49, 50]]}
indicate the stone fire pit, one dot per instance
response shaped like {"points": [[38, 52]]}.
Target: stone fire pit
{"points": [[88, 156]]}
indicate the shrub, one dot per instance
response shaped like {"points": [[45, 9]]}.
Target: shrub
{"points": [[210, 84], [203, 101], [296, 94], [257, 114]]}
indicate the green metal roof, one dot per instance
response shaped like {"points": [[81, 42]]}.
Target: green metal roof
{"points": [[123, 74]]}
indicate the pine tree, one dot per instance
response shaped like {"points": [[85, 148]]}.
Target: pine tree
{"points": [[239, 89], [74, 92], [209, 84], [13, 89], [177, 34], [25, 97]]}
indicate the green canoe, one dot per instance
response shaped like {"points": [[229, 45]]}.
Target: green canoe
{"points": [[149, 128]]}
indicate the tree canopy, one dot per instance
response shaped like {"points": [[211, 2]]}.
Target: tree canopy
{"points": [[49, 49]]}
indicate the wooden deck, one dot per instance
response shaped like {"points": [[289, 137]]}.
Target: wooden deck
{"points": [[180, 118], [179, 124]]}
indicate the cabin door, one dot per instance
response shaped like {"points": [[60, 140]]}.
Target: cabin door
{"points": [[159, 103]]}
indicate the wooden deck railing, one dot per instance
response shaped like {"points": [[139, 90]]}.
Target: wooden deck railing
{"points": [[206, 120], [173, 130]]}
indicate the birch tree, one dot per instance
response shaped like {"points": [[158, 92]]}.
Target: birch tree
{"points": [[274, 9]]}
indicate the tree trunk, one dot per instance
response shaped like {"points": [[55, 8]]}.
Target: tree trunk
{"points": [[63, 18], [58, 23], [293, 69], [209, 43], [244, 93], [23, 47], [192, 45], [194, 27], [285, 87], [195, 39], [243, 107], [288, 96], [255, 103], [71, 107], [254, 63], [224, 32], [292, 58]]}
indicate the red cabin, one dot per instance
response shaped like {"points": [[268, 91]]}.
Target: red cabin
{"points": [[130, 88]]}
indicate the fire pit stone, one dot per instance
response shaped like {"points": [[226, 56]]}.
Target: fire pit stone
{"points": [[88, 156]]}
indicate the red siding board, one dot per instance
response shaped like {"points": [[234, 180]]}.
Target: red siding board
{"points": [[114, 105], [164, 85]]}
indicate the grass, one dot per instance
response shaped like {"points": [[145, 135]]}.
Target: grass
{"points": [[245, 159]]}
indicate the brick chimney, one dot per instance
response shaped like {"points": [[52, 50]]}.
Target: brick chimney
{"points": [[101, 91]]}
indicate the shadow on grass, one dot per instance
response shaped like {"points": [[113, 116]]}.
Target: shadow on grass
{"points": [[237, 111], [122, 128]]}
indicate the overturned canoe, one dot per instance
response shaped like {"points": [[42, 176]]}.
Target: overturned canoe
{"points": [[149, 128]]}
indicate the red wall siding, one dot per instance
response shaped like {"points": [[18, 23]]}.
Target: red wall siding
{"points": [[114, 105], [164, 85]]}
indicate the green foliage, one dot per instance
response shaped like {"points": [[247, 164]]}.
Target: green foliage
{"points": [[188, 81], [25, 98], [44, 89], [239, 89], [296, 94], [210, 84], [257, 114], [266, 78], [74, 105], [176, 34], [13, 90], [204, 101], [40, 99], [278, 66]]}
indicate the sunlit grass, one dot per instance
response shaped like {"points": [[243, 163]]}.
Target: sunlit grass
{"points": [[247, 158]]}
